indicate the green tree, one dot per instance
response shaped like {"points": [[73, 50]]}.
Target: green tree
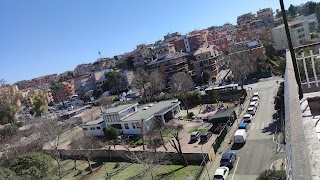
{"points": [[66, 77], [272, 175], [8, 131], [278, 13], [115, 83], [7, 174], [292, 10], [8, 103], [40, 103], [34, 165], [111, 135]]}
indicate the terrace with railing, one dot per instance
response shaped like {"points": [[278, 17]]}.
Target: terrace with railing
{"points": [[302, 110]]}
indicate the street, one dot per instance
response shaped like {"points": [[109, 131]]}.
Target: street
{"points": [[259, 151]]}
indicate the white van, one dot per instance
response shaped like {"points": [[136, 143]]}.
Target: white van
{"points": [[240, 136], [252, 110], [256, 94]]}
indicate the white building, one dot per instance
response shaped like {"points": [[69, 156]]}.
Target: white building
{"points": [[312, 21], [130, 118], [299, 31]]}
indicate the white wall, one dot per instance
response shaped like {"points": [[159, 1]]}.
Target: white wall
{"points": [[93, 130]]}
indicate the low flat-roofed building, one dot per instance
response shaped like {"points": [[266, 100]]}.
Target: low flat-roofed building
{"points": [[131, 118], [95, 127]]}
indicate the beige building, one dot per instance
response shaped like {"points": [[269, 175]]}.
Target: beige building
{"points": [[299, 32], [164, 49], [206, 60]]}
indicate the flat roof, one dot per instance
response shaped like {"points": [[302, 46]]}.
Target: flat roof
{"points": [[157, 108], [223, 113], [291, 23], [118, 108], [94, 122]]}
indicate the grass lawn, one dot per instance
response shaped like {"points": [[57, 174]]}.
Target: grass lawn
{"points": [[136, 171], [125, 171], [201, 130]]}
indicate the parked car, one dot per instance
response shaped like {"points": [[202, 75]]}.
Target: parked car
{"points": [[205, 136], [221, 173], [228, 159], [247, 118], [244, 125], [254, 104], [252, 110], [240, 136], [256, 98], [256, 94], [195, 136]]}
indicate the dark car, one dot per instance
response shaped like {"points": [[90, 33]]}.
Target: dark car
{"points": [[205, 136], [195, 136], [228, 159]]}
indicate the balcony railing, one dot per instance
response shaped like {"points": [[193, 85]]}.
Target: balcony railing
{"points": [[308, 62]]}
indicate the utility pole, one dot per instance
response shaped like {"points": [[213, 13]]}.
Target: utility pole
{"points": [[293, 57]]}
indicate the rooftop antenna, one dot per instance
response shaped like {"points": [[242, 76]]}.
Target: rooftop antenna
{"points": [[99, 54]]}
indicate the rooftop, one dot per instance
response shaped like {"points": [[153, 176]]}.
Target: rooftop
{"points": [[118, 108], [168, 58], [94, 122], [222, 113], [291, 23], [157, 109], [205, 49]]}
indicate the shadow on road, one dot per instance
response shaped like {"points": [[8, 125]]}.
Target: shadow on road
{"points": [[271, 128]]}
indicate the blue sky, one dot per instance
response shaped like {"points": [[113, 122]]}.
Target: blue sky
{"points": [[40, 37]]}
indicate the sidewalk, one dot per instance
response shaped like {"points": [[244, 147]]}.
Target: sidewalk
{"points": [[225, 145]]}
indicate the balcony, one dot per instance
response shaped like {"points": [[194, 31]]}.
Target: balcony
{"points": [[302, 127], [176, 68]]}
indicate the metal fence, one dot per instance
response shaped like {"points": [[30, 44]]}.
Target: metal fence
{"points": [[308, 62]]}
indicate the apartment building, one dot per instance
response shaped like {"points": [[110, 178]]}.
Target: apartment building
{"points": [[43, 80], [206, 60], [68, 88], [250, 53], [266, 16], [169, 65], [171, 38], [219, 40], [162, 49], [245, 18], [100, 79], [83, 84], [299, 31], [312, 21], [189, 43], [263, 33], [143, 53], [82, 69]]}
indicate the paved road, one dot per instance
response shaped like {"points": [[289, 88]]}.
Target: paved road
{"points": [[259, 152]]}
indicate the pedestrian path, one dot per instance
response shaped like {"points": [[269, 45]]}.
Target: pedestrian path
{"points": [[259, 125]]}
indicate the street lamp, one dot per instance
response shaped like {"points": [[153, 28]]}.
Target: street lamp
{"points": [[205, 163], [202, 78]]}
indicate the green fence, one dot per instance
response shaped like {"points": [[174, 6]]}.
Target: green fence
{"points": [[222, 135]]}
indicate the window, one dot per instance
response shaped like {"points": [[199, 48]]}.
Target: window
{"points": [[210, 38], [126, 125], [198, 57], [85, 129], [206, 55], [138, 125], [222, 40], [217, 41], [98, 127], [92, 128], [134, 125]]}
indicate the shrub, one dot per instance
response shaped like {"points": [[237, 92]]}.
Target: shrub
{"points": [[190, 114], [272, 175], [116, 165]]}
